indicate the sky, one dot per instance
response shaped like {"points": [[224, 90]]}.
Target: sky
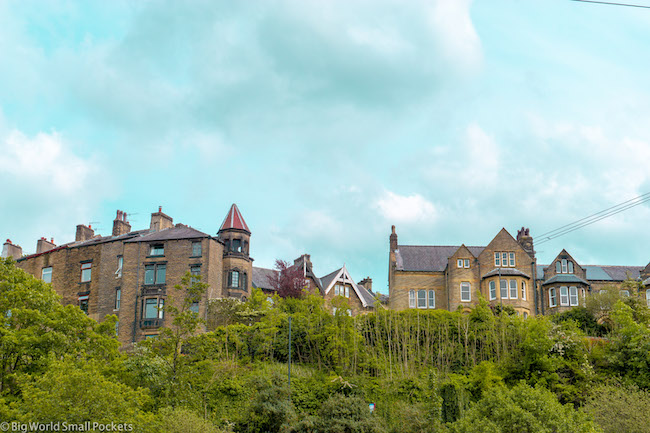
{"points": [[329, 121]]}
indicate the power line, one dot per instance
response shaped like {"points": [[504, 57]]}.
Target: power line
{"points": [[600, 216], [642, 196], [613, 4]]}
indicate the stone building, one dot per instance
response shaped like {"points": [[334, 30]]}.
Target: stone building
{"points": [[132, 274], [355, 297], [505, 272]]}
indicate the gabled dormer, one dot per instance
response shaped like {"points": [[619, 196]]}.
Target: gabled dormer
{"points": [[504, 252]]}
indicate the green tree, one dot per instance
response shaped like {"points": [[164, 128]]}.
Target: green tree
{"points": [[618, 408]]}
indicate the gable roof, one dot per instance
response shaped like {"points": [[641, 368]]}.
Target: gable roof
{"points": [[427, 258], [234, 220], [602, 273], [367, 300]]}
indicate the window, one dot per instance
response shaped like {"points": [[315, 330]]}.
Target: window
{"points": [[411, 298], [196, 249], [422, 299], [647, 297], [570, 267], [432, 299], [551, 297], [46, 275], [564, 296], [504, 259], [347, 291], [573, 295], [513, 289], [558, 267], [120, 262], [460, 263], [564, 266], [117, 328], [525, 315], [153, 308], [195, 270], [236, 245], [504, 288], [157, 250], [234, 279], [194, 308], [493, 290], [86, 268], [155, 273], [118, 296], [83, 303], [466, 263], [523, 290], [625, 293], [465, 292]]}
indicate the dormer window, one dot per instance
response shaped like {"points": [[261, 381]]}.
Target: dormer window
{"points": [[157, 250], [564, 266]]}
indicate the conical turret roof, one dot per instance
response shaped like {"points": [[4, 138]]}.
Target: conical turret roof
{"points": [[234, 220]]}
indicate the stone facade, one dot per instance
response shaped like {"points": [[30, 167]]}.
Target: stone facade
{"points": [[505, 273], [132, 274]]}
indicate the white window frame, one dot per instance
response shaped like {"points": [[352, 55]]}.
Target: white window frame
{"points": [[571, 268], [49, 273], [513, 293], [512, 261], [120, 264], [153, 250], [647, 297], [346, 290], [573, 296], [459, 263], [412, 299], [497, 260], [466, 263], [423, 304], [552, 297], [88, 266], [431, 301], [465, 288], [564, 296], [523, 290], [504, 259], [118, 298], [503, 289], [493, 290], [558, 267], [565, 270]]}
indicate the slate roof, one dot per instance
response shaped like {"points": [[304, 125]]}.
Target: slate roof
{"points": [[366, 297], [620, 273], [427, 258], [565, 278], [263, 278], [646, 282], [179, 231], [327, 279], [507, 272], [603, 273]]}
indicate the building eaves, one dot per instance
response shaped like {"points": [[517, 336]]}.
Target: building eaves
{"points": [[565, 278], [177, 232], [433, 258], [506, 272]]}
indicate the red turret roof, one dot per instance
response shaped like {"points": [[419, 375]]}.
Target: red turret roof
{"points": [[234, 220]]}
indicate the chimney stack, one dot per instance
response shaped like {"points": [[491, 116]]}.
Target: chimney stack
{"points": [[43, 245], [367, 283], [160, 221], [393, 240], [83, 233], [11, 250], [305, 257], [526, 241], [120, 225]]}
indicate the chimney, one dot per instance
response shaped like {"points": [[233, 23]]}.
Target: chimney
{"points": [[526, 241], [11, 250], [44, 245], [367, 283], [120, 225], [83, 233], [160, 221], [305, 257], [393, 240]]}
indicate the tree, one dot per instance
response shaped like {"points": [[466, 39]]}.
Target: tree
{"points": [[291, 280], [617, 408]]}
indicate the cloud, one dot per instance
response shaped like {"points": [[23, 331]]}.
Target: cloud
{"points": [[46, 182], [406, 209]]}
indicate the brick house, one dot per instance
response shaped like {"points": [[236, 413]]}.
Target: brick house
{"points": [[132, 273], [505, 272]]}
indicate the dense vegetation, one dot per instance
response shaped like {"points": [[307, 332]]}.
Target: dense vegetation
{"points": [[425, 371]]}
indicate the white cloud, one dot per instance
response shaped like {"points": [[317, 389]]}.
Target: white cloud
{"points": [[406, 209], [49, 188], [452, 24]]}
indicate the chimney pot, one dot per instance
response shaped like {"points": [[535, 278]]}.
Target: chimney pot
{"points": [[8, 241], [159, 208]]}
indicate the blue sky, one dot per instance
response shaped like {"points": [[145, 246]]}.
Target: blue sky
{"points": [[329, 121]]}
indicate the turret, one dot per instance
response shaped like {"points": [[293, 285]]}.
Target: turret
{"points": [[235, 235]]}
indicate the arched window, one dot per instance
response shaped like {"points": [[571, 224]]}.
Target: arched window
{"points": [[411, 298], [564, 266], [558, 267], [570, 267], [552, 299], [523, 291]]}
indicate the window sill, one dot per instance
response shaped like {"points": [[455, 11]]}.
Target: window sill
{"points": [[156, 256], [196, 257]]}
